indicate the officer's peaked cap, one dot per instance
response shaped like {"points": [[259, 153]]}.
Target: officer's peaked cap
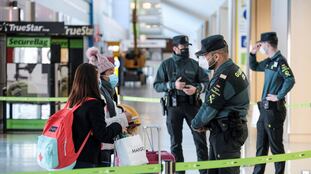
{"points": [[181, 39], [268, 36], [211, 43]]}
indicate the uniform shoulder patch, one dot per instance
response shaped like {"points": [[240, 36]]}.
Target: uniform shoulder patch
{"points": [[223, 76], [238, 79], [285, 70]]}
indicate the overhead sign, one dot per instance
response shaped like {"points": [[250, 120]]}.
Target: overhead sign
{"points": [[151, 43], [79, 30], [32, 27], [35, 42]]}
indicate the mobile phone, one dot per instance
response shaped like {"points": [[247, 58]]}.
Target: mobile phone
{"points": [[183, 79]]}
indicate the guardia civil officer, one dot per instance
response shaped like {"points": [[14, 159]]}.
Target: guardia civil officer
{"points": [[279, 80], [182, 80], [226, 104]]}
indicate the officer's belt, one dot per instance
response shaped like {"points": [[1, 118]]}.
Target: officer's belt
{"points": [[226, 119], [272, 104], [183, 99], [221, 123]]}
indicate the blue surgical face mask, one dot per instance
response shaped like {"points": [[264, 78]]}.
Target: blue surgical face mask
{"points": [[113, 80]]}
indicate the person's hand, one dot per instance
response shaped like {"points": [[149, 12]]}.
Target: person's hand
{"points": [[179, 85], [128, 116], [256, 48], [202, 129], [272, 97], [189, 89], [124, 130]]}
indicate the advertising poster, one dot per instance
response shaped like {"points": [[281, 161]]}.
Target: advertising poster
{"points": [[242, 32], [27, 80]]}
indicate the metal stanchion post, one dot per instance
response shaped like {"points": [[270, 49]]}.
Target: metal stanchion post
{"points": [[168, 167], [3, 112]]}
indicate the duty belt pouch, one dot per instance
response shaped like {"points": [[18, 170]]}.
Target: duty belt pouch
{"points": [[163, 104], [222, 125], [281, 105], [266, 104], [173, 101]]}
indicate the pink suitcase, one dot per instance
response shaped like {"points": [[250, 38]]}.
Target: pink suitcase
{"points": [[153, 156]]}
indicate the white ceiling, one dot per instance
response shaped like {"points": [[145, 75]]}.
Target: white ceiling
{"points": [[197, 8], [186, 16]]}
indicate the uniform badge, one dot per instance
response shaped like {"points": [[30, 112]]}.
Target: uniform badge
{"points": [[223, 76], [285, 69], [275, 64]]}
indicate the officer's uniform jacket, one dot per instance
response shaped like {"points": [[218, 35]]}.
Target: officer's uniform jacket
{"points": [[173, 68], [227, 92], [279, 78]]}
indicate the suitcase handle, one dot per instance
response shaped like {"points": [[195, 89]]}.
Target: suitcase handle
{"points": [[151, 127]]}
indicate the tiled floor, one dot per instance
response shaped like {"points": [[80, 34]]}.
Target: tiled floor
{"points": [[17, 150]]}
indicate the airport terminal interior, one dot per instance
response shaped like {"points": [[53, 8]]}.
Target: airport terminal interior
{"points": [[42, 42]]}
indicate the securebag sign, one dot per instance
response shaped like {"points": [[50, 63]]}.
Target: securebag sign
{"points": [[35, 42]]}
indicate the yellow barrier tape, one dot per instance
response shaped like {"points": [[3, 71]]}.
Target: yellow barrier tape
{"points": [[183, 166], [244, 162], [140, 99], [304, 105]]}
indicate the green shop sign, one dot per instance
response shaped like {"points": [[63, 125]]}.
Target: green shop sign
{"points": [[36, 42], [62, 42]]}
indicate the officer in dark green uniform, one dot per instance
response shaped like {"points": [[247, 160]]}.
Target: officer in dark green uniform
{"points": [[182, 80], [279, 80], [226, 104]]}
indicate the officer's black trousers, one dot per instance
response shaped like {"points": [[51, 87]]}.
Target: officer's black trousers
{"points": [[174, 122], [270, 134], [223, 145]]}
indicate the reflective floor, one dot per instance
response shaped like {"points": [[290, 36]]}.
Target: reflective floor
{"points": [[17, 150]]}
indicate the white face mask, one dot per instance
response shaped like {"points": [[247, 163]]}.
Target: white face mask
{"points": [[262, 50], [203, 63]]}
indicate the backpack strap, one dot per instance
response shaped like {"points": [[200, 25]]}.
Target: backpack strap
{"points": [[84, 142], [75, 107], [90, 132]]}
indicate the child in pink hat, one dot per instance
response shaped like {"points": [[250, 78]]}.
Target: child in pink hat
{"points": [[101, 61], [107, 91]]}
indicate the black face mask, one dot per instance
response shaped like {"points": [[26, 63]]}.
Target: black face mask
{"points": [[184, 52], [212, 64]]}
